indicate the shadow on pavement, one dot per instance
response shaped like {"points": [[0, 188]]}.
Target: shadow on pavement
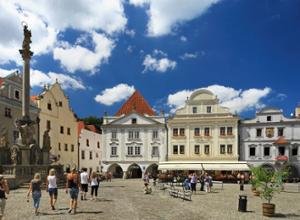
{"points": [[112, 186], [280, 215], [89, 212]]}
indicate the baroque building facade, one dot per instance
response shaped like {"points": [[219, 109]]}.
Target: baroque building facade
{"points": [[58, 119], [270, 139], [89, 139], [134, 140], [11, 110], [203, 136]]}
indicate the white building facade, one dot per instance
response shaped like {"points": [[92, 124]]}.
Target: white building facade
{"points": [[271, 139], [89, 147]]}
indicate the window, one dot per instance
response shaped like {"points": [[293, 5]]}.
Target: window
{"points": [[133, 121], [280, 131], [68, 131], [87, 142], [59, 147], [267, 151], [181, 131], [8, 112], [175, 131], [229, 148], [72, 147], [197, 132], [197, 149], [137, 150], [258, 132], [154, 134], [130, 134], [194, 110], [130, 150], [82, 154], [17, 94], [208, 109], [97, 155], [175, 149], [222, 149], [91, 155], [98, 144], [229, 130], [295, 151], [269, 118], [222, 131], [206, 149], [60, 103], [206, 131], [281, 150], [66, 147], [113, 151], [136, 134], [61, 129], [114, 135], [48, 125], [155, 152], [49, 106], [252, 152], [181, 149]]}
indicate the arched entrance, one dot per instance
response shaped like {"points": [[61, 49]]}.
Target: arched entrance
{"points": [[115, 170], [152, 169], [134, 171]]}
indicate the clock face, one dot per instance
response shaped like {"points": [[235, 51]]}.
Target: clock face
{"points": [[270, 132]]}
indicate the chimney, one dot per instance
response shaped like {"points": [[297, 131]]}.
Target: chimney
{"points": [[297, 111]]}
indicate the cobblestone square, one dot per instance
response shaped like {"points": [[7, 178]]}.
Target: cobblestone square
{"points": [[124, 199]]}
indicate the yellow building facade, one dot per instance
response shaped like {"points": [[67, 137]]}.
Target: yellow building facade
{"points": [[203, 131], [56, 115]]}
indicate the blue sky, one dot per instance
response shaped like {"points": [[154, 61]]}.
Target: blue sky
{"points": [[247, 52]]}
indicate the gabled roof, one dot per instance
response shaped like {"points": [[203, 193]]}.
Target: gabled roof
{"points": [[281, 141], [136, 103]]}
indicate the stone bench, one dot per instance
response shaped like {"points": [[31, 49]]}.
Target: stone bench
{"points": [[185, 195]]}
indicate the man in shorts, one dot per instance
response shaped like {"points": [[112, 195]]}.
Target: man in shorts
{"points": [[84, 181]]}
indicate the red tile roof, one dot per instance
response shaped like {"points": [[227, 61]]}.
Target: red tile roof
{"points": [[281, 141], [91, 128], [80, 126], [33, 98], [136, 103], [1, 81]]}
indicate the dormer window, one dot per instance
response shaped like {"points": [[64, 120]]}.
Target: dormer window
{"points": [[49, 106], [208, 109], [17, 94], [194, 110], [133, 121], [269, 118]]}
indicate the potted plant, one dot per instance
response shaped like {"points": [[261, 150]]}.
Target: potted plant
{"points": [[268, 182], [254, 181]]}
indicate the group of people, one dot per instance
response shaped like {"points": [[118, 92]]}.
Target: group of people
{"points": [[75, 182], [205, 180]]}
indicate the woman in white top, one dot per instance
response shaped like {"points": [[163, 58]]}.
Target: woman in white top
{"points": [[94, 184], [51, 187]]}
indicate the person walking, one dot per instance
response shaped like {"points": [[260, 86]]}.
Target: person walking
{"points": [[35, 189], [4, 190], [193, 182], [72, 185], [94, 184], [84, 181], [51, 187]]}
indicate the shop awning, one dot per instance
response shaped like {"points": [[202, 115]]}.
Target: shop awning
{"points": [[207, 165], [224, 166], [180, 166]]}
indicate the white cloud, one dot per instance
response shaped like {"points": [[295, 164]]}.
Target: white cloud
{"points": [[130, 33], [76, 57], [165, 15], [183, 39], [158, 62], [236, 100], [115, 94], [186, 56], [48, 18], [39, 79]]}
